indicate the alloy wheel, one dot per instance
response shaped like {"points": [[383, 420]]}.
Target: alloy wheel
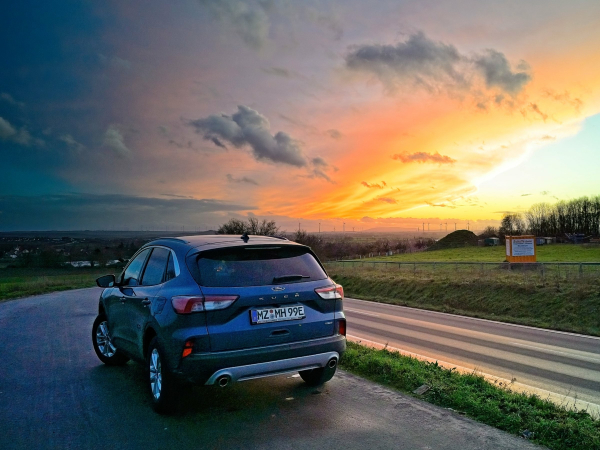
{"points": [[155, 374], [103, 340]]}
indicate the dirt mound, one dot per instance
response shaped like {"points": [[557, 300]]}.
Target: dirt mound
{"points": [[459, 238]]}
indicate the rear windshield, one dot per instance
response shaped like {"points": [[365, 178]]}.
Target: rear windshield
{"points": [[257, 266]]}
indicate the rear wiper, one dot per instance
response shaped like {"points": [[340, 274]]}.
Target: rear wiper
{"points": [[285, 278]]}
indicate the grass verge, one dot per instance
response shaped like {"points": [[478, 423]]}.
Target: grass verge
{"points": [[545, 253], [15, 283], [551, 425], [559, 304]]}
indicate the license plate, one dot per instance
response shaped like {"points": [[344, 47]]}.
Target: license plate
{"points": [[277, 314]]}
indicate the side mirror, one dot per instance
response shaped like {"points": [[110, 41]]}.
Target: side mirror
{"points": [[106, 281]]}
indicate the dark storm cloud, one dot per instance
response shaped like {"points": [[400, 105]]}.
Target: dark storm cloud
{"points": [[248, 127], [246, 180], [423, 157], [419, 59], [497, 72], [87, 211], [436, 66]]}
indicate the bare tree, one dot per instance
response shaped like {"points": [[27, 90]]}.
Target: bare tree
{"points": [[252, 226]]}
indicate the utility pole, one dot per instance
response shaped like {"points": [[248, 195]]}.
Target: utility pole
{"points": [[319, 227], [454, 226], [423, 227], [468, 226], [298, 226], [446, 226], [428, 229]]}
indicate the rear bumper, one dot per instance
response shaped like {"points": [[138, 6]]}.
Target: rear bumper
{"points": [[271, 368], [245, 364]]}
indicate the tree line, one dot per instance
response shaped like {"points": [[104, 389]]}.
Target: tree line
{"points": [[331, 247], [578, 216]]}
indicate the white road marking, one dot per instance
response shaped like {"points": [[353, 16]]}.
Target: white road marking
{"points": [[547, 350], [474, 318], [362, 312]]}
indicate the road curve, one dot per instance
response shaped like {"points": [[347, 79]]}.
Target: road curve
{"points": [[564, 366], [55, 394]]}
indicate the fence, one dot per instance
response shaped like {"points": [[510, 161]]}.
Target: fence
{"points": [[529, 272]]}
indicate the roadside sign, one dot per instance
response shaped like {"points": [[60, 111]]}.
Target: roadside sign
{"points": [[521, 249]]}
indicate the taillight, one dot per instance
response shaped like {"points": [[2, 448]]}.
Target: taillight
{"points": [[187, 304], [341, 327], [335, 292]]}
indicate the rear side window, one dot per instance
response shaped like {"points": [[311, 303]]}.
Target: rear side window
{"points": [[155, 269], [257, 266], [170, 273]]}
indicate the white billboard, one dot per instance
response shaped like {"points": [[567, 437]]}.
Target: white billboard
{"points": [[523, 247]]}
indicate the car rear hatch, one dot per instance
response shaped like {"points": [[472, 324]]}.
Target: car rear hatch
{"points": [[276, 300]]}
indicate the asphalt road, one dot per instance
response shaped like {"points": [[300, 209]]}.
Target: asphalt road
{"points": [[55, 394], [549, 362]]}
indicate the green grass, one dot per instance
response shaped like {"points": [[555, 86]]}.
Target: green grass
{"points": [[15, 283], [553, 426], [545, 253], [564, 302]]}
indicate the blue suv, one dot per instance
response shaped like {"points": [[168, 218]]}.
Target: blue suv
{"points": [[216, 309]]}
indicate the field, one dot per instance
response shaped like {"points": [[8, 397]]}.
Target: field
{"points": [[16, 283], [545, 253]]}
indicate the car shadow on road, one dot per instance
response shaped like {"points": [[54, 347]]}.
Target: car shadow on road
{"points": [[127, 384], [280, 405]]}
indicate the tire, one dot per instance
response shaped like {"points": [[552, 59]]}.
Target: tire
{"points": [[317, 377], [162, 387], [104, 348]]}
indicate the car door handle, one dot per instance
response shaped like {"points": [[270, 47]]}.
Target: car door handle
{"points": [[122, 299], [146, 302]]}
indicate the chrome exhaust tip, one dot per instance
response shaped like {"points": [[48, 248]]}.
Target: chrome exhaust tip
{"points": [[332, 363], [223, 380]]}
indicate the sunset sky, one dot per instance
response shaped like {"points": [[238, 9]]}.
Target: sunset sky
{"points": [[148, 115]]}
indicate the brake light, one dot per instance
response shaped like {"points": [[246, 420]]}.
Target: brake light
{"points": [[335, 292], [187, 304]]}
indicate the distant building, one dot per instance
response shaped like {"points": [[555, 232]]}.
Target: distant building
{"points": [[491, 241]]}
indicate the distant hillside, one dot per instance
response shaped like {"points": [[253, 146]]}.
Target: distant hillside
{"points": [[459, 238]]}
